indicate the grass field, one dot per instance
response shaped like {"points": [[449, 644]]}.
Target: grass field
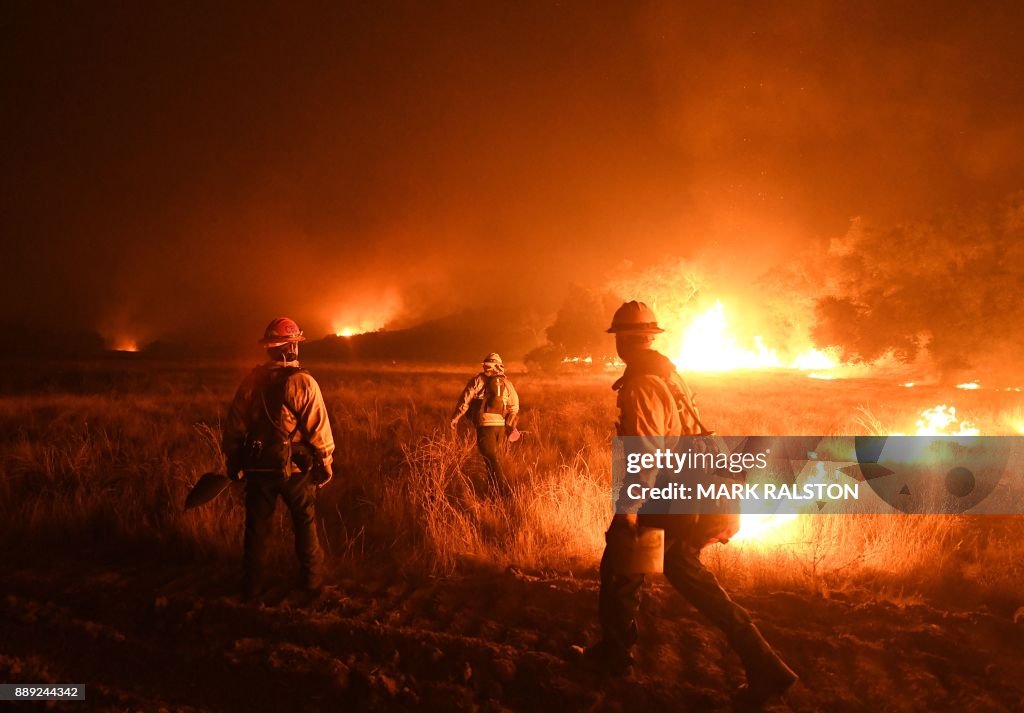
{"points": [[104, 453]]}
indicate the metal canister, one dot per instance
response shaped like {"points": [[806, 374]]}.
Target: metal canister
{"points": [[636, 550]]}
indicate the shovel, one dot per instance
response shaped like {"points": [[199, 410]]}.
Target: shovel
{"points": [[515, 434], [207, 488]]}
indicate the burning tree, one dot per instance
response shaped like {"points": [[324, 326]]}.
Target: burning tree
{"points": [[716, 320]]}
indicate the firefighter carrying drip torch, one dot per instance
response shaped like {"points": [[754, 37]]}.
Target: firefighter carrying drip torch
{"points": [[655, 402]]}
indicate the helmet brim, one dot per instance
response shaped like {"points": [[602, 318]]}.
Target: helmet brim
{"points": [[281, 342], [634, 330]]}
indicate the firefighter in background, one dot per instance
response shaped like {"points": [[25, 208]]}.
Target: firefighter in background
{"points": [[493, 404], [278, 438], [654, 401]]}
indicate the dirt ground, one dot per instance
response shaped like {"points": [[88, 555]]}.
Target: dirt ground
{"points": [[159, 635]]}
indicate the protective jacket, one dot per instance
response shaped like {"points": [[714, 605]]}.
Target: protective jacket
{"points": [[278, 421], [655, 402], [492, 400]]}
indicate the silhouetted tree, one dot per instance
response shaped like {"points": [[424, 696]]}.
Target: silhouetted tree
{"points": [[578, 329], [951, 286]]}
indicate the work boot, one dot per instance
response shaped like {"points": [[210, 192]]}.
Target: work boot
{"points": [[312, 582], [768, 676], [608, 658]]}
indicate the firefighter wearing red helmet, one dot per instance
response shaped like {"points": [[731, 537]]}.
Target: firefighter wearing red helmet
{"points": [[654, 402], [278, 439]]}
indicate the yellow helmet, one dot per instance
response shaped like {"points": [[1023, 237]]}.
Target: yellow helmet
{"points": [[635, 318]]}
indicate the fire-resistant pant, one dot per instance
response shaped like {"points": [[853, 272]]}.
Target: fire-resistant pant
{"points": [[299, 494], [489, 441], [620, 596]]}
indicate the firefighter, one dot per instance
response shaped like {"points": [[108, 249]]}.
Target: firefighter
{"points": [[654, 401], [493, 404], [278, 439]]}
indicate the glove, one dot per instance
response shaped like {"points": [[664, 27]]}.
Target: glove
{"points": [[234, 473], [624, 520], [320, 475], [455, 423], [511, 422]]}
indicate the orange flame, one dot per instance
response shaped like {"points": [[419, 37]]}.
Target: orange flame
{"points": [[942, 420], [1014, 420], [758, 527], [356, 328], [707, 344], [125, 344], [774, 529], [371, 313]]}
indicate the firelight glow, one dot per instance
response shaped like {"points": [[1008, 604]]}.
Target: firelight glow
{"points": [[775, 528], [942, 421], [126, 344], [357, 327], [757, 527], [372, 311], [707, 344]]}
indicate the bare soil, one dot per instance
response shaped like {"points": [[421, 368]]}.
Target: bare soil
{"points": [[149, 635]]}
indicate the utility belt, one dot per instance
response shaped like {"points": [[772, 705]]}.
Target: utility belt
{"points": [[276, 456]]}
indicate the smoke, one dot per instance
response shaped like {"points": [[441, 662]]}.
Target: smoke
{"points": [[742, 320], [579, 329], [188, 174], [949, 287]]}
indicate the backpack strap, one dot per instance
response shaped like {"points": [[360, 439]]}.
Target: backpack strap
{"points": [[494, 393], [655, 364], [687, 404], [274, 389]]}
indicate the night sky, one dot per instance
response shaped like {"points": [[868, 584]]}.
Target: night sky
{"points": [[191, 169]]}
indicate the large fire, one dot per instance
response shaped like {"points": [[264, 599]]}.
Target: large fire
{"points": [[941, 420], [371, 312], [712, 340], [707, 343], [353, 327]]}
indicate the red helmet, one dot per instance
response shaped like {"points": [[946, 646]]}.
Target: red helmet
{"points": [[282, 330]]}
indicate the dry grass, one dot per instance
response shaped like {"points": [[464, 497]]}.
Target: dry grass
{"points": [[105, 454]]}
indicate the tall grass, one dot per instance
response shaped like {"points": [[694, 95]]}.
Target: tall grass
{"points": [[107, 456]]}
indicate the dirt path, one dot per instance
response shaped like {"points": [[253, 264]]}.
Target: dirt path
{"points": [[146, 636]]}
